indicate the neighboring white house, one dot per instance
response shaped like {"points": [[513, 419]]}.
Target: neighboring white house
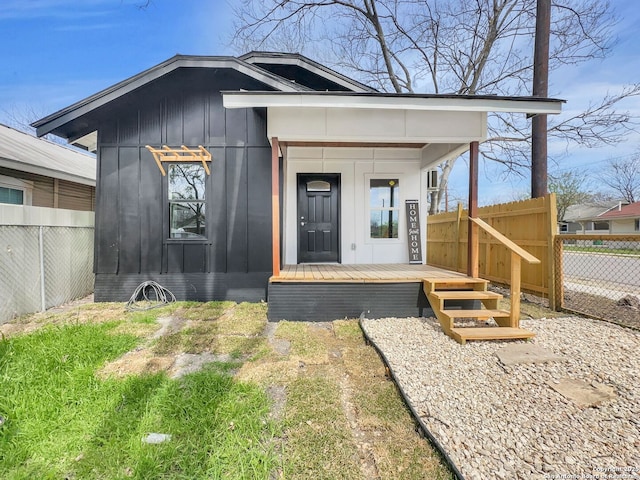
{"points": [[588, 218], [35, 172], [625, 219]]}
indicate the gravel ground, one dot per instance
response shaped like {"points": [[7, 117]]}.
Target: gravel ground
{"points": [[506, 422]]}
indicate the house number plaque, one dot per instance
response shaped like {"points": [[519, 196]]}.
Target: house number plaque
{"points": [[413, 231]]}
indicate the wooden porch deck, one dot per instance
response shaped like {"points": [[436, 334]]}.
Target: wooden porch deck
{"points": [[369, 273], [329, 291]]}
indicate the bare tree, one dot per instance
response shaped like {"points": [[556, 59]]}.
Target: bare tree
{"points": [[622, 176], [20, 117], [570, 188], [449, 46]]}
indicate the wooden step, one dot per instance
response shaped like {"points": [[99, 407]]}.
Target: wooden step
{"points": [[462, 283], [465, 295], [462, 334], [479, 314]]}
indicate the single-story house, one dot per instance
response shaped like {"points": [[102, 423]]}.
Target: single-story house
{"points": [[40, 173], [589, 217], [216, 175], [625, 219]]}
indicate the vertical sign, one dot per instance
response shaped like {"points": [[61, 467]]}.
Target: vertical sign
{"points": [[413, 231]]}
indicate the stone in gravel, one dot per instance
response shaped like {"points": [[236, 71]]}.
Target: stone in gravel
{"points": [[583, 393], [156, 438], [526, 353]]}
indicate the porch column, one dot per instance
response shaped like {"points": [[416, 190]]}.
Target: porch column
{"points": [[472, 245], [275, 205]]}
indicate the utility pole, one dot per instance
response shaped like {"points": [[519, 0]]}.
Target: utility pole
{"points": [[540, 89]]}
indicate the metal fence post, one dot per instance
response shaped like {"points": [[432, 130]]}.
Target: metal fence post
{"points": [[43, 299]]}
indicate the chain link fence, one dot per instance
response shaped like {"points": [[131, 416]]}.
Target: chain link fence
{"points": [[42, 267], [599, 276]]}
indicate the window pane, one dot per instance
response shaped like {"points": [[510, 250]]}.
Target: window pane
{"points": [[318, 186], [384, 193], [601, 225], [187, 220], [11, 195], [384, 223], [186, 181]]}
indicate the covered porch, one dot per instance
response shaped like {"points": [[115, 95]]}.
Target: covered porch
{"points": [[348, 150]]}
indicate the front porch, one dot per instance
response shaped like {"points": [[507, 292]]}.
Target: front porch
{"points": [[324, 292], [342, 165]]}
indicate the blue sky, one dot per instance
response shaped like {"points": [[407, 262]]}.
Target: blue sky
{"points": [[56, 52]]}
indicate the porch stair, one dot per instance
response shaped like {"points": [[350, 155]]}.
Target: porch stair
{"points": [[462, 291]]}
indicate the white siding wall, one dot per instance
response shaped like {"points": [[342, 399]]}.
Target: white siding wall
{"points": [[626, 225], [356, 166]]}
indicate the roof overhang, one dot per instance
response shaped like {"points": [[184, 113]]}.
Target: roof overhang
{"points": [[442, 126], [23, 152], [46, 172], [460, 103]]}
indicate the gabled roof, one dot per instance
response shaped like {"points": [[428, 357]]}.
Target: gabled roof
{"points": [[26, 153], [628, 211], [589, 211], [53, 123], [304, 71]]}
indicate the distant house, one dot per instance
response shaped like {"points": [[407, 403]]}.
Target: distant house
{"points": [[588, 217], [37, 172], [625, 219]]}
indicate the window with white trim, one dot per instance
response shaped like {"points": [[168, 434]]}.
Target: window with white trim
{"points": [[15, 191], [384, 207], [187, 201]]}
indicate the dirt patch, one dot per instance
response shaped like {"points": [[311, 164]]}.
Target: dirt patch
{"points": [[168, 325], [77, 312], [137, 362], [187, 363], [624, 313], [602, 308]]}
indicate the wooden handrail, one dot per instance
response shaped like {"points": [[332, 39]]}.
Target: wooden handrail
{"points": [[517, 254], [505, 241]]}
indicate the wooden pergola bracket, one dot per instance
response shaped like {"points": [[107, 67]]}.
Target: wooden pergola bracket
{"points": [[183, 154]]}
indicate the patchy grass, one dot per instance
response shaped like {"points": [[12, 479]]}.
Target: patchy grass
{"points": [[319, 441], [63, 421], [343, 418], [83, 387]]}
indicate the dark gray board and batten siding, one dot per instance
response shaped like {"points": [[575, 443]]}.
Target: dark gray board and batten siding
{"points": [[328, 301], [183, 108]]}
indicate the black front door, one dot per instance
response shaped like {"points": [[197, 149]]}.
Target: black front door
{"points": [[318, 217]]}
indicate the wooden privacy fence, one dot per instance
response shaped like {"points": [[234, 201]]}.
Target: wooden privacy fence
{"points": [[531, 224]]}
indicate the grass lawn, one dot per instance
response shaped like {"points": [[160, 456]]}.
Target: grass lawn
{"points": [[79, 390], [603, 250]]}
